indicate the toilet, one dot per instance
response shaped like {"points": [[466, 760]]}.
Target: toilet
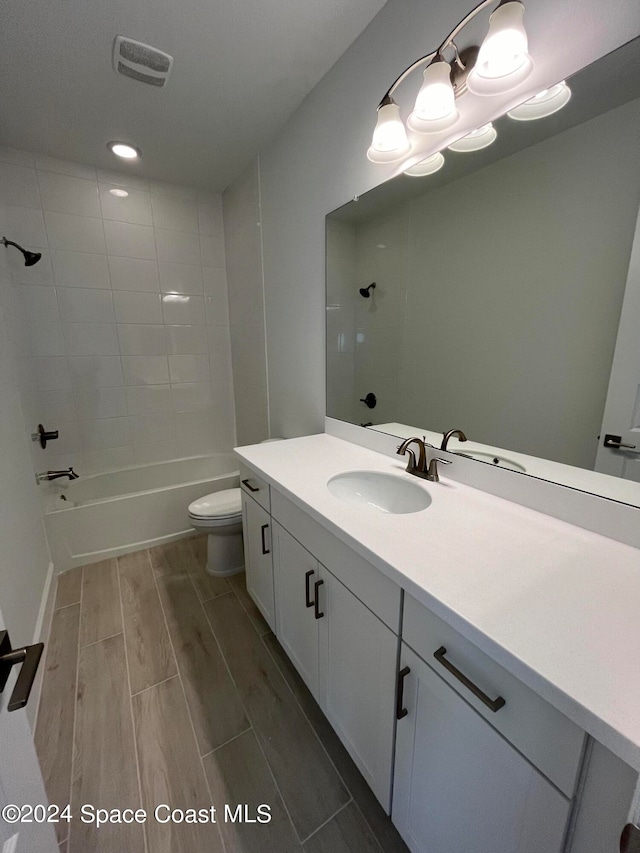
{"points": [[220, 514]]}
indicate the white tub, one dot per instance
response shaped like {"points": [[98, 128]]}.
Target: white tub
{"points": [[105, 515]]}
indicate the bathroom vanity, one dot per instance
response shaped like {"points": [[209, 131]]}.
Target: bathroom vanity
{"points": [[473, 655]]}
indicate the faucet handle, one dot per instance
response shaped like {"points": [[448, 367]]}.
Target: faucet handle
{"points": [[432, 471]]}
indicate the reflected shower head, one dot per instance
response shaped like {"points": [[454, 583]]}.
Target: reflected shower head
{"points": [[30, 258], [364, 291]]}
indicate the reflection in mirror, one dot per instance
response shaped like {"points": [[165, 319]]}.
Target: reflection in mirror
{"points": [[505, 285]]}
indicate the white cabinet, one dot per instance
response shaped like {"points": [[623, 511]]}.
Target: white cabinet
{"points": [[256, 524], [459, 785], [344, 653]]}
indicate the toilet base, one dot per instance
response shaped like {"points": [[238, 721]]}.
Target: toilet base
{"points": [[225, 554]]}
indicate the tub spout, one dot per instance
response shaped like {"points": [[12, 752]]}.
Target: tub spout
{"points": [[55, 475]]}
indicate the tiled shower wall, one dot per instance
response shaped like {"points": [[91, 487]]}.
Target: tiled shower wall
{"points": [[125, 324]]}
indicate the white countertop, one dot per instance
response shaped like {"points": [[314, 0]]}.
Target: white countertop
{"points": [[556, 605]]}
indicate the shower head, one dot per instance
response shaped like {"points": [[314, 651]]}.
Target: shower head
{"points": [[30, 258], [364, 291]]}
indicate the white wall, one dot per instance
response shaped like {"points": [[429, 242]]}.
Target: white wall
{"points": [[318, 162], [126, 345]]}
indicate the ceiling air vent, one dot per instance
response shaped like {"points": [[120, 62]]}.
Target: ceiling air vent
{"points": [[141, 61]]}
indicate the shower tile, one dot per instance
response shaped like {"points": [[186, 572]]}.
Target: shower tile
{"points": [[67, 194], [160, 188], [104, 433], [210, 216], [180, 278], [41, 339], [26, 226], [39, 274], [79, 269], [134, 307], [74, 233], [94, 403], [82, 305], [174, 213], [64, 167], [97, 371], [217, 310], [54, 406], [177, 247], [142, 339], [156, 451], [191, 396], [152, 428], [91, 339], [183, 310], [39, 304], [189, 368], [15, 156], [19, 185], [134, 208], [48, 374], [120, 179], [212, 251], [186, 339], [145, 369], [130, 241], [112, 459], [149, 399], [215, 281], [134, 274]]}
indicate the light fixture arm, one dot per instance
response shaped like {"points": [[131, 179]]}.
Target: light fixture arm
{"points": [[430, 56]]}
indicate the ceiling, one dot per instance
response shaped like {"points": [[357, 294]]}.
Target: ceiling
{"points": [[241, 67]]}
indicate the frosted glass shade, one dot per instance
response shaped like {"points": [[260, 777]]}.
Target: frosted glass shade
{"points": [[543, 104], [480, 138], [426, 167], [503, 61], [435, 108], [390, 140]]}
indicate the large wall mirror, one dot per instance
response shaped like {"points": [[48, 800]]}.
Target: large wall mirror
{"points": [[507, 294]]}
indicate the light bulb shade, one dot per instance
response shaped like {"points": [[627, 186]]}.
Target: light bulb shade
{"points": [[435, 108], [503, 61], [390, 142], [543, 104], [426, 167], [480, 138]]}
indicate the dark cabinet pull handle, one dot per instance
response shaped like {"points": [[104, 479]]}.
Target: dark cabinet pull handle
{"points": [[316, 603], [400, 711], [265, 550], [307, 591], [250, 487], [493, 704], [29, 657]]}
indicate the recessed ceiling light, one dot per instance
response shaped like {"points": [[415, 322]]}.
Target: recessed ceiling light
{"points": [[122, 149], [119, 193]]}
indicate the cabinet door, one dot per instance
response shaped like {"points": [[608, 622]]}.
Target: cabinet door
{"points": [[296, 573], [358, 655], [257, 557], [459, 785]]}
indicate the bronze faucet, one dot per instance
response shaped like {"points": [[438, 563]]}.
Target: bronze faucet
{"points": [[447, 435], [420, 468]]}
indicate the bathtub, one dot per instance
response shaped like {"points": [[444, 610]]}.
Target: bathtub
{"points": [[104, 515]]}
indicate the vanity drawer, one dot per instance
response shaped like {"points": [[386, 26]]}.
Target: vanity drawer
{"points": [[375, 590], [255, 486], [547, 738]]}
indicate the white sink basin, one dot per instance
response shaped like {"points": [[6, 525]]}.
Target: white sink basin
{"points": [[382, 492], [493, 459]]}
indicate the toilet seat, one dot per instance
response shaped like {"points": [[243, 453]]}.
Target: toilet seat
{"points": [[218, 508]]}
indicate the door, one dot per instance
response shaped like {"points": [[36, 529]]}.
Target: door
{"points": [[297, 582], [257, 557], [20, 779], [622, 409], [358, 655], [459, 785]]}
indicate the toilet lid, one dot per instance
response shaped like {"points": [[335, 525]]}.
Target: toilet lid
{"points": [[218, 505]]}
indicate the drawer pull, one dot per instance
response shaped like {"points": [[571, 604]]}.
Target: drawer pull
{"points": [[250, 487], [265, 550], [317, 613], [307, 591], [493, 704], [400, 711]]}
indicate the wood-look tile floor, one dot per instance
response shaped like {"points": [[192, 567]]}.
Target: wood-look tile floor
{"points": [[163, 685]]}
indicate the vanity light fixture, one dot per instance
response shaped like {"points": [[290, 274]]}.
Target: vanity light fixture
{"points": [[544, 104], [479, 138], [124, 150], [426, 167], [499, 65]]}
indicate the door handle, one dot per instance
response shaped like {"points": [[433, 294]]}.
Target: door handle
{"points": [[250, 487], [29, 657], [265, 550], [400, 711], [307, 590], [493, 704], [317, 613], [630, 839], [614, 442]]}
